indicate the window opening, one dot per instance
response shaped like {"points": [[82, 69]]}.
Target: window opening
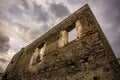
{"points": [[37, 55], [72, 35], [41, 49]]}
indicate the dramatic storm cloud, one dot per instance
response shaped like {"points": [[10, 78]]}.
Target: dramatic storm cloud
{"points": [[59, 10], [40, 14], [111, 24], [4, 43], [112, 15], [22, 21]]}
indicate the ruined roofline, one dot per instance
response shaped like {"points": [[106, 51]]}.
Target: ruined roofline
{"points": [[60, 26]]}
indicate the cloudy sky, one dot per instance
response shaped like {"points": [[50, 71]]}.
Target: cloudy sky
{"points": [[22, 21]]}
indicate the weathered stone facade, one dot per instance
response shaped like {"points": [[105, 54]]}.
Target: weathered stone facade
{"points": [[118, 60], [53, 57], [1, 76]]}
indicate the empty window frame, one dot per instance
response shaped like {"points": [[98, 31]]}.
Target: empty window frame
{"points": [[70, 34], [42, 49], [76, 32], [38, 54]]}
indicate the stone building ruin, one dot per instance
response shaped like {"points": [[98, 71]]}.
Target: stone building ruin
{"points": [[54, 57]]}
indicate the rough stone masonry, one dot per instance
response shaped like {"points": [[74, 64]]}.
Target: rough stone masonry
{"points": [[54, 57]]}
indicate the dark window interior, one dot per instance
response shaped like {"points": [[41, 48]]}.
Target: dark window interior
{"points": [[85, 59], [96, 78], [41, 45]]}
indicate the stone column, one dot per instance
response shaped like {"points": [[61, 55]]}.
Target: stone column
{"points": [[63, 38], [42, 50], [78, 29]]}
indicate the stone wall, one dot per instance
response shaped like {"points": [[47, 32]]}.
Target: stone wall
{"points": [[53, 57], [1, 76], [118, 60]]}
